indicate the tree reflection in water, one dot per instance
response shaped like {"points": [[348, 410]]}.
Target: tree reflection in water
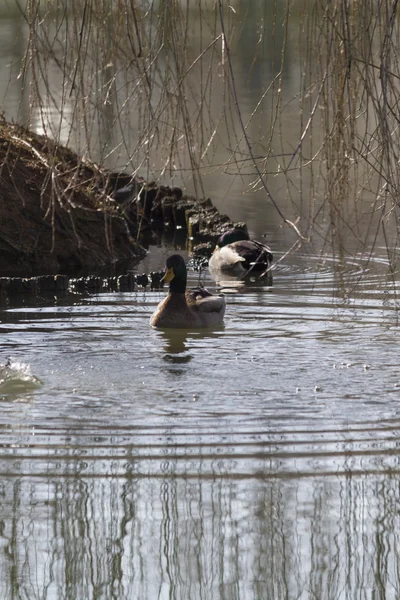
{"points": [[199, 536]]}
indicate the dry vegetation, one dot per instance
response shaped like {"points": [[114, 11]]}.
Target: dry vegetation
{"points": [[54, 214], [156, 87]]}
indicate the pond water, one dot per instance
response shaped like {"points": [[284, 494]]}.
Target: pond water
{"points": [[257, 461], [260, 460]]}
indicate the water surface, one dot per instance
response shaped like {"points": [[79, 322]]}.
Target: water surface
{"points": [[257, 461], [260, 460]]}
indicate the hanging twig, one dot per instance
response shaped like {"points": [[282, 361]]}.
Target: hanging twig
{"points": [[243, 128]]}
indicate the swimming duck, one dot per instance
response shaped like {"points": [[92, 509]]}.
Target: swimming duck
{"points": [[186, 309], [237, 253]]}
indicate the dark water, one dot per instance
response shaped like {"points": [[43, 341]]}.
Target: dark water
{"points": [[257, 461]]}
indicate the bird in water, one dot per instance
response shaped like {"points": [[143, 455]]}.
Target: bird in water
{"points": [[196, 308], [236, 253]]}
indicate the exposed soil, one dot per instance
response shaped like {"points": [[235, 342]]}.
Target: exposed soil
{"points": [[54, 213], [59, 214]]}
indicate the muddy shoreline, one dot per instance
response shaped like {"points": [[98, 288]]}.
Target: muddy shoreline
{"points": [[60, 215]]}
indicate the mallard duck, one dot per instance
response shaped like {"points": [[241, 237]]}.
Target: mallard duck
{"points": [[235, 252], [186, 309]]}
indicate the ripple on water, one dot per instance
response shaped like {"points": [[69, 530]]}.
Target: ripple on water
{"points": [[16, 379], [204, 452], [300, 381]]}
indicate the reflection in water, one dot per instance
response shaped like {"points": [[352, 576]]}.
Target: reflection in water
{"points": [[229, 283], [177, 341], [174, 341], [256, 461], [171, 537]]}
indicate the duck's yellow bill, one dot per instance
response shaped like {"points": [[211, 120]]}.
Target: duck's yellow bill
{"points": [[169, 275]]}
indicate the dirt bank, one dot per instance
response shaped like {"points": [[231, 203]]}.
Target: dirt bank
{"points": [[54, 213], [59, 214]]}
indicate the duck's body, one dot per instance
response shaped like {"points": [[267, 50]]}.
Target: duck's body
{"points": [[236, 253], [186, 309]]}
